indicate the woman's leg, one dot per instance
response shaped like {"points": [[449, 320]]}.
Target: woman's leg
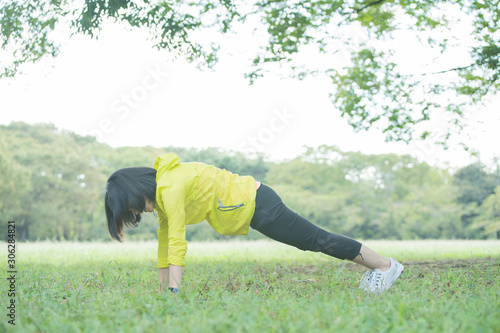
{"points": [[273, 219], [371, 259]]}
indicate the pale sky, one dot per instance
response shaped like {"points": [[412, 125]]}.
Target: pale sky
{"points": [[126, 93]]}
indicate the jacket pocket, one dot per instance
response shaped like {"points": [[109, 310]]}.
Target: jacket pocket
{"points": [[224, 208]]}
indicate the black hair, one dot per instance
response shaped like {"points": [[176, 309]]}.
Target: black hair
{"points": [[128, 188]]}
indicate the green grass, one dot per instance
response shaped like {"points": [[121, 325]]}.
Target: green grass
{"points": [[447, 286]]}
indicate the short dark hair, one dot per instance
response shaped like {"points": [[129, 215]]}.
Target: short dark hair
{"points": [[128, 188]]}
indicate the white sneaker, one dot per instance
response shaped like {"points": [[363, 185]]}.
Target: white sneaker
{"points": [[377, 281], [365, 280]]}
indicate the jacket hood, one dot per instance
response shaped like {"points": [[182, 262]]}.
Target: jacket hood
{"points": [[164, 163], [167, 161]]}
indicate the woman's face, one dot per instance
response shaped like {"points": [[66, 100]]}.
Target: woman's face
{"points": [[150, 206]]}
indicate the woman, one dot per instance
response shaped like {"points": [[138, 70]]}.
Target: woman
{"points": [[188, 193]]}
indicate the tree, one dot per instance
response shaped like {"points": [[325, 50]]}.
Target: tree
{"points": [[56, 190], [474, 184], [370, 196], [14, 182], [488, 221], [373, 90]]}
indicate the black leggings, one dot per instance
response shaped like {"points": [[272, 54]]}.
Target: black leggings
{"points": [[273, 219]]}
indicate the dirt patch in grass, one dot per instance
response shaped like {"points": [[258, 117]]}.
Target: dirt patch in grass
{"points": [[456, 263], [439, 264]]}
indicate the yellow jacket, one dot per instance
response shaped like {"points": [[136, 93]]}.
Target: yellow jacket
{"points": [[188, 193]]}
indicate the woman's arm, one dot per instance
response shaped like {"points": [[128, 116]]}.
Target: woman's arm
{"points": [[163, 278], [170, 276], [175, 276]]}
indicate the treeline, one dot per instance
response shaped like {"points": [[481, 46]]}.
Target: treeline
{"points": [[52, 184]]}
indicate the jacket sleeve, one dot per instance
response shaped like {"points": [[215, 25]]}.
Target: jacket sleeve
{"points": [[162, 239], [174, 237]]}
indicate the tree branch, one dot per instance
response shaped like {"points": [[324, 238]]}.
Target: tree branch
{"points": [[357, 10], [448, 70], [374, 3]]}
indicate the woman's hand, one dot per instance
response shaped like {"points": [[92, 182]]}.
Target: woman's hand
{"points": [[171, 277], [162, 279], [174, 276]]}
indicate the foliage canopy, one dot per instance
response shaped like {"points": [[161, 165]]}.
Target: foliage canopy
{"points": [[372, 89]]}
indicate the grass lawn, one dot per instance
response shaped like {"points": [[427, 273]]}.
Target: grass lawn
{"points": [[447, 286]]}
